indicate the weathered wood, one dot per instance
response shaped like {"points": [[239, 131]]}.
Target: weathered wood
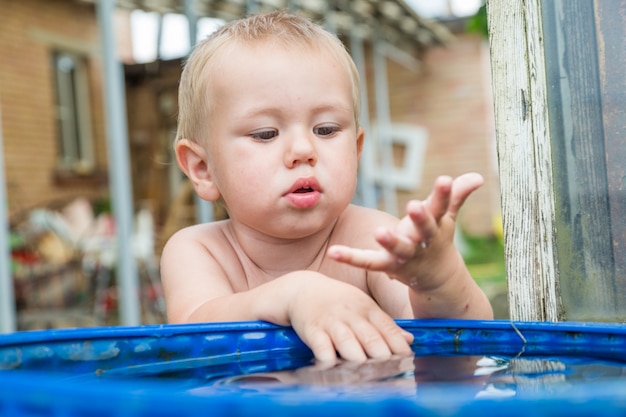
{"points": [[525, 162]]}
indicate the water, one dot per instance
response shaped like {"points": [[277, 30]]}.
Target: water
{"points": [[492, 376]]}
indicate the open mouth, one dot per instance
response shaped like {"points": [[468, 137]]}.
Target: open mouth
{"points": [[307, 185], [304, 193]]}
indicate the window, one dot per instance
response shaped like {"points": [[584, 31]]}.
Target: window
{"points": [[74, 133]]}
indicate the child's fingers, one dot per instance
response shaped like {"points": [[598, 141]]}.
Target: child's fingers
{"points": [[402, 247], [397, 339], [360, 339], [371, 340], [425, 223], [375, 260], [321, 345], [462, 187], [439, 199], [347, 343]]}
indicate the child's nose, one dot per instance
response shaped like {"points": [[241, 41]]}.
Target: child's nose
{"points": [[301, 149]]}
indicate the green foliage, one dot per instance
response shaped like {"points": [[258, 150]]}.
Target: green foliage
{"points": [[484, 256], [15, 240], [102, 205], [483, 249], [478, 22]]}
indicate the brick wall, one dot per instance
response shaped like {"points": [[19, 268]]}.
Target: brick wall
{"points": [[29, 31]]}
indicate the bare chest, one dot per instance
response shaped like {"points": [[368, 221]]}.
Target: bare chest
{"points": [[248, 275]]}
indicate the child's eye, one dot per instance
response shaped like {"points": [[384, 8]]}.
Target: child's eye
{"points": [[264, 135], [326, 130]]}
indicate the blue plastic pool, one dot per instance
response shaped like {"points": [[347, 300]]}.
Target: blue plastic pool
{"points": [[257, 369]]}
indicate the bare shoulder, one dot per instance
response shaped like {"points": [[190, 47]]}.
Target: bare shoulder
{"points": [[366, 213], [205, 234], [200, 245], [356, 226], [364, 217], [204, 229], [197, 264]]}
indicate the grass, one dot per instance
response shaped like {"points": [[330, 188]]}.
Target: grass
{"points": [[484, 257]]}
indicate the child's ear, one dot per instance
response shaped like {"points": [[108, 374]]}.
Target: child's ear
{"points": [[360, 135], [193, 160]]}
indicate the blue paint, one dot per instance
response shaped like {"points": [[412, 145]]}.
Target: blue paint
{"points": [[180, 370]]}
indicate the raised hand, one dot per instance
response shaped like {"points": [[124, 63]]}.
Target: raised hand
{"points": [[420, 240]]}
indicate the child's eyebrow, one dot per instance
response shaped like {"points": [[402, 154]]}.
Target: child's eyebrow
{"points": [[272, 110], [333, 106], [253, 111]]}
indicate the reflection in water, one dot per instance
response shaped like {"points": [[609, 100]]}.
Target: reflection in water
{"points": [[480, 372], [486, 376], [340, 373]]}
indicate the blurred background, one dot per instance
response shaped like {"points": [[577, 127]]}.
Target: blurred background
{"points": [[426, 78]]}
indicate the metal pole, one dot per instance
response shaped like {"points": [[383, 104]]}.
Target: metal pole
{"points": [[192, 18], [7, 296], [293, 6], [119, 172], [252, 6], [367, 187], [159, 38], [329, 17], [384, 127]]}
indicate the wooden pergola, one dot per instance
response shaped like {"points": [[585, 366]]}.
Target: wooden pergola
{"points": [[393, 21]]}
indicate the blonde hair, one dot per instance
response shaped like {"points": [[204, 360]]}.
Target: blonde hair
{"points": [[280, 26]]}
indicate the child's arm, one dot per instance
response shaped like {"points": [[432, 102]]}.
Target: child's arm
{"points": [[329, 315], [420, 252]]}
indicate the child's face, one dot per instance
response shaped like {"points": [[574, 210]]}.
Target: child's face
{"points": [[283, 144]]}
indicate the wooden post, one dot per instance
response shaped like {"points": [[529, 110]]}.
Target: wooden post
{"points": [[525, 160]]}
